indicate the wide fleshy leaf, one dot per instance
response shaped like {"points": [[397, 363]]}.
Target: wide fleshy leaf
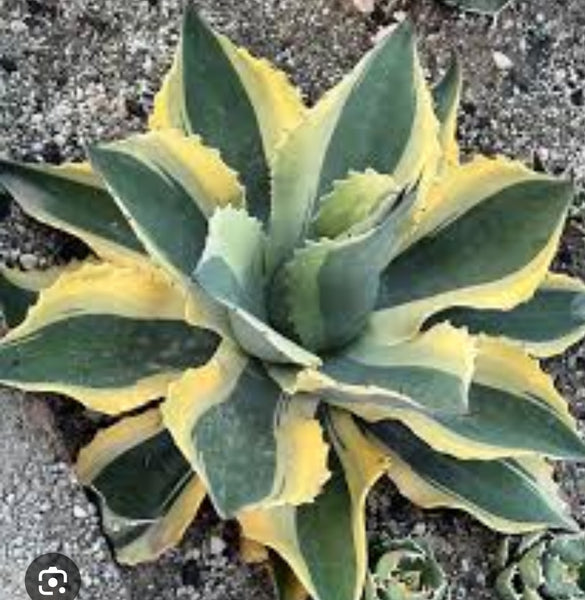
{"points": [[71, 198], [167, 185], [512, 407], [429, 374], [509, 495], [324, 542], [231, 270], [330, 287], [514, 410], [250, 443], [147, 492], [488, 7], [238, 104], [514, 404], [90, 339], [351, 201], [342, 133], [446, 96], [19, 290], [551, 321], [487, 237]]}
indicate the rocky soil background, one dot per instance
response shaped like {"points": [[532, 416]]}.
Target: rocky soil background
{"points": [[76, 71]]}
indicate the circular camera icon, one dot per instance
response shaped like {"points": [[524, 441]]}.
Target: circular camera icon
{"points": [[52, 577]]}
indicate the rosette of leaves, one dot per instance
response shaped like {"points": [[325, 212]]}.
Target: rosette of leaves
{"points": [[407, 570], [543, 567], [315, 298]]}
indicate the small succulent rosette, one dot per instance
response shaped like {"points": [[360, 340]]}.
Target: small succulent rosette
{"points": [[543, 567], [407, 570]]}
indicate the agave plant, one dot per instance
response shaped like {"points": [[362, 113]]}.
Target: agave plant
{"points": [[408, 570], [315, 298], [543, 567]]}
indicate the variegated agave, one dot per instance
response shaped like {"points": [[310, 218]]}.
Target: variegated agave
{"points": [[345, 300], [543, 566], [408, 570]]}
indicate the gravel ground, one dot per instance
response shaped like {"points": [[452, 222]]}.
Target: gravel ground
{"points": [[76, 71], [42, 507]]}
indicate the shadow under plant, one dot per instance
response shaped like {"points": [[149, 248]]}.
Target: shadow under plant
{"points": [[532, 107]]}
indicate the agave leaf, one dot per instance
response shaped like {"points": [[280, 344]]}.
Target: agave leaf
{"points": [[342, 133], [331, 286], [546, 325], [510, 409], [430, 374], [530, 568], [486, 240], [167, 185], [238, 104], [89, 339], [14, 301], [509, 495], [351, 201], [488, 7], [447, 96], [147, 492], [72, 198], [324, 542], [231, 270], [514, 410], [19, 290], [251, 444], [286, 583]]}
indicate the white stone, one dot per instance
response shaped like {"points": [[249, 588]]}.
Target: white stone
{"points": [[79, 512], [503, 62], [216, 545]]}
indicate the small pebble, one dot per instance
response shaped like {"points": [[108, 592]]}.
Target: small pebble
{"points": [[216, 546], [502, 61], [28, 261], [80, 512]]}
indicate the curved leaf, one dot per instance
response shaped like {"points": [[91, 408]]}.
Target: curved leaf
{"points": [[147, 492], [546, 325], [167, 185], [429, 374], [446, 96], [19, 290], [231, 270], [330, 286], [250, 443], [490, 234], [511, 407], [350, 202], [71, 198], [509, 495], [514, 410], [324, 542], [286, 583], [238, 104], [342, 133], [88, 338]]}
